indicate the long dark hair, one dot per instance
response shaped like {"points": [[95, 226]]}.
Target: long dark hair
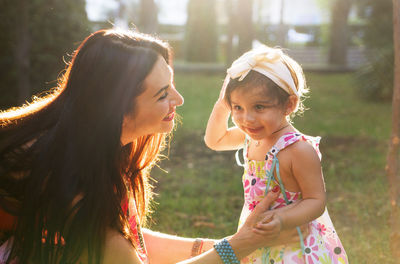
{"points": [[61, 156]]}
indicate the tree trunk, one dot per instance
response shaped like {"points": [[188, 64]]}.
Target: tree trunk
{"points": [[339, 32], [201, 36], [230, 54], [22, 51], [245, 25], [282, 29], [392, 167], [148, 16]]}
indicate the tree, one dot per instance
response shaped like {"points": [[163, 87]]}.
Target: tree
{"points": [[375, 79], [393, 154], [201, 31], [22, 51], [35, 37], [148, 22], [230, 52], [340, 10], [245, 27]]}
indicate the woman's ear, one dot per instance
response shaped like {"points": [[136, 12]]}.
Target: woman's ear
{"points": [[291, 104]]}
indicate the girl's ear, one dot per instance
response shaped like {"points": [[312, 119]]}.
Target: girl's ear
{"points": [[291, 104]]}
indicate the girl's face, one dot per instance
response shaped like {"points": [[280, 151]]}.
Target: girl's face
{"points": [[256, 114], [155, 107]]}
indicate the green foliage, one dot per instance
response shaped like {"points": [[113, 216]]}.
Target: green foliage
{"points": [[201, 31], [375, 80], [55, 28], [202, 195]]}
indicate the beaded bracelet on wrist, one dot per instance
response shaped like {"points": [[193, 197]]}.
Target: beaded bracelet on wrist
{"points": [[226, 252]]}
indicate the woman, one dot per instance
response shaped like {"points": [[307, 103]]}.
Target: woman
{"points": [[74, 164]]}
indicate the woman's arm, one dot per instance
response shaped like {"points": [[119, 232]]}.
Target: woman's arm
{"points": [[218, 136], [163, 248], [246, 240], [167, 249]]}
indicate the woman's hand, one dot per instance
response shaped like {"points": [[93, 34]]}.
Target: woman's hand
{"points": [[263, 227], [270, 226]]}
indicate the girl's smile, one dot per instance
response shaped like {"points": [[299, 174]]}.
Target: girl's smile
{"points": [[253, 130]]}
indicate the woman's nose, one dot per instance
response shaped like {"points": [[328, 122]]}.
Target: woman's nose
{"points": [[177, 98]]}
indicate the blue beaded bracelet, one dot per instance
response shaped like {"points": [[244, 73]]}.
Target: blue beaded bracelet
{"points": [[225, 252]]}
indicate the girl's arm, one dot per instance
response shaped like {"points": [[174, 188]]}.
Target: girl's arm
{"points": [[218, 135], [306, 168]]}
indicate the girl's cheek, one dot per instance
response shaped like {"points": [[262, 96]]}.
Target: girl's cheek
{"points": [[237, 118]]}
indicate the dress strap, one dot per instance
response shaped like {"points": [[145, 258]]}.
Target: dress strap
{"points": [[283, 142], [237, 154], [292, 137]]}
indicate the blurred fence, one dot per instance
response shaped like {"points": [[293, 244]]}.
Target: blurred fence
{"points": [[311, 58]]}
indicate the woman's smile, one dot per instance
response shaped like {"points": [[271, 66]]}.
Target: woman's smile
{"points": [[170, 116]]}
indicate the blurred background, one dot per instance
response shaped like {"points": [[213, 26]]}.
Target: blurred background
{"points": [[323, 35], [344, 46]]}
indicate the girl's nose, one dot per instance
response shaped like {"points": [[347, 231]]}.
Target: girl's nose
{"points": [[249, 118]]}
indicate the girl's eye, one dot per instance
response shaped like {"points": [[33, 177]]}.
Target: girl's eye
{"points": [[260, 107], [164, 95], [236, 107]]}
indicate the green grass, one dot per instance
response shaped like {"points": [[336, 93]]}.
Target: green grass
{"points": [[201, 196]]}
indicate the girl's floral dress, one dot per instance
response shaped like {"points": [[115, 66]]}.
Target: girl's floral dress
{"points": [[322, 245]]}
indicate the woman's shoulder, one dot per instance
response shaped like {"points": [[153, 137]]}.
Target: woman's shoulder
{"points": [[118, 249]]}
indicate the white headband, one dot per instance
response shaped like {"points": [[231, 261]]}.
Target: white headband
{"points": [[267, 61]]}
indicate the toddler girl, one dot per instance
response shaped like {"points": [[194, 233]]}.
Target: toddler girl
{"points": [[263, 88]]}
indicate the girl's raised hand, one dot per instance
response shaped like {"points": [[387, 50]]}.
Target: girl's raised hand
{"points": [[223, 88]]}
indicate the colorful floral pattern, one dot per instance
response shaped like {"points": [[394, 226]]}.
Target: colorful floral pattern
{"points": [[322, 245], [134, 223]]}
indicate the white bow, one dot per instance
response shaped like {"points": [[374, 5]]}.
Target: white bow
{"points": [[267, 61]]}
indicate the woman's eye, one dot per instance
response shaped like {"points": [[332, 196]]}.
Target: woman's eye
{"points": [[164, 95]]}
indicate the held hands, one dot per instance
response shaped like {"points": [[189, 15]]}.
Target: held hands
{"points": [[270, 225], [264, 227]]}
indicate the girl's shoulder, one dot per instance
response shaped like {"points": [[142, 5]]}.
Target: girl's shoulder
{"points": [[118, 249], [296, 144]]}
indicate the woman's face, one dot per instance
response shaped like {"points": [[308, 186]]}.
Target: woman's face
{"points": [[155, 108]]}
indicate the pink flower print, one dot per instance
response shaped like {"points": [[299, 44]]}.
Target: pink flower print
{"points": [[321, 229], [253, 205], [290, 196], [296, 259], [254, 187], [259, 167], [310, 249], [331, 233], [336, 251], [289, 137], [251, 170]]}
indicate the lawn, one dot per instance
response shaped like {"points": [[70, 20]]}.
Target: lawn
{"points": [[201, 195]]}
